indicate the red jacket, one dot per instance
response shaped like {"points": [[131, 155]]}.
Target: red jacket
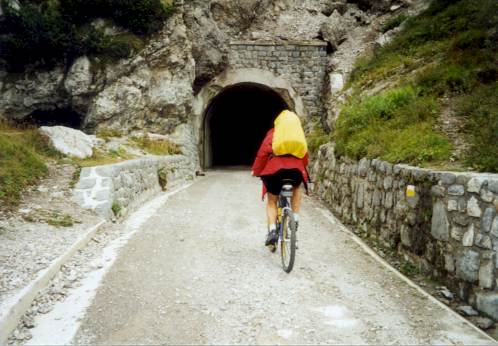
{"points": [[266, 163]]}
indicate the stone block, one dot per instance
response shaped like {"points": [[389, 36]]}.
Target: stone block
{"points": [[448, 178], [86, 172], [462, 179], [388, 202], [86, 183], [467, 265], [440, 224], [487, 219], [473, 208], [104, 209], [438, 191], [493, 185], [468, 237], [452, 205], [475, 184], [457, 232], [494, 227], [103, 195], [483, 241], [460, 219], [388, 182], [405, 235], [487, 196], [449, 263], [487, 302], [363, 167], [456, 190]]}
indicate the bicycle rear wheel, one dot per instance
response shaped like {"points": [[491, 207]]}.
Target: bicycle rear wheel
{"points": [[288, 242]]}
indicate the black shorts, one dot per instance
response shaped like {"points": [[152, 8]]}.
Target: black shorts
{"points": [[274, 182]]}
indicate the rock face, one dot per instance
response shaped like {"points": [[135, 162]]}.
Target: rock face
{"points": [[69, 141], [155, 88]]}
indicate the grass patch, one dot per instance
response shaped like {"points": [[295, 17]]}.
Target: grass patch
{"points": [[316, 138], [449, 51], [162, 175], [481, 108], [106, 134], [409, 269], [156, 147], [396, 126], [60, 220], [101, 157], [23, 152], [116, 208]]}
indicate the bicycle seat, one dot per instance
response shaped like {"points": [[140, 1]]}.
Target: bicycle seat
{"points": [[286, 190]]}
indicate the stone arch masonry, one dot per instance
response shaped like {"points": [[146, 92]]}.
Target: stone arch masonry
{"points": [[303, 63]]}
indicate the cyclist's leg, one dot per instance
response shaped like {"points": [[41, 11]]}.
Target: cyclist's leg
{"points": [[296, 199], [271, 208]]}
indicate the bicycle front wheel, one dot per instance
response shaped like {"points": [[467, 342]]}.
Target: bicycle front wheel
{"points": [[288, 242]]}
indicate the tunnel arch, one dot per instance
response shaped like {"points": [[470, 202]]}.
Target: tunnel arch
{"points": [[245, 84], [236, 122]]}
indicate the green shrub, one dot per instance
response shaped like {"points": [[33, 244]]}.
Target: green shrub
{"points": [[451, 32], [139, 16], [481, 110], [395, 126], [34, 35], [21, 162], [116, 208], [447, 52], [48, 32], [316, 138], [393, 23]]}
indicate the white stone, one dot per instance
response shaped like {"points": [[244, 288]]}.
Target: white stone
{"points": [[468, 237], [474, 184], [336, 82], [69, 141], [473, 208], [486, 275]]}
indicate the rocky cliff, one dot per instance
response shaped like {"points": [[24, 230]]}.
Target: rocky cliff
{"points": [[154, 89]]}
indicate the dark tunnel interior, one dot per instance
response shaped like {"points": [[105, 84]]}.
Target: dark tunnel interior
{"points": [[53, 117], [238, 119]]}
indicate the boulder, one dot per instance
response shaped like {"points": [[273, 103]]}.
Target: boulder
{"points": [[334, 29], [69, 141]]}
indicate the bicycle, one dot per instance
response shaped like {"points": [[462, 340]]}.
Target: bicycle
{"points": [[287, 228]]}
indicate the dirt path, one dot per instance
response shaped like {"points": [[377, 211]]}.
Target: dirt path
{"points": [[197, 273]]}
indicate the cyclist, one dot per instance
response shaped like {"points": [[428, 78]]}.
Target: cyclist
{"points": [[273, 170]]}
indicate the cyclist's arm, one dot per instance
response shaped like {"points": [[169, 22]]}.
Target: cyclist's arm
{"points": [[263, 155]]}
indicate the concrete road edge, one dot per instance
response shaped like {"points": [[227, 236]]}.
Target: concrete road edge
{"points": [[332, 219], [15, 307]]}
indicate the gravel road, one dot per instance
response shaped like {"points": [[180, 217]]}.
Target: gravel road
{"points": [[196, 272]]}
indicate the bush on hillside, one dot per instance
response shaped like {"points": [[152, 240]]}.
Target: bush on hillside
{"points": [[47, 32], [481, 109], [448, 52], [395, 126]]}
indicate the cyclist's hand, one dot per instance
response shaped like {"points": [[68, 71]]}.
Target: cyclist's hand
{"points": [[252, 173]]}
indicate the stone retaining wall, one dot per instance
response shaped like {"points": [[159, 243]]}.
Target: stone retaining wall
{"points": [[128, 184], [449, 228], [302, 63]]}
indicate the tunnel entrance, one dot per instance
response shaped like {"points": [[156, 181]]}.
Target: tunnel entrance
{"points": [[236, 122]]}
